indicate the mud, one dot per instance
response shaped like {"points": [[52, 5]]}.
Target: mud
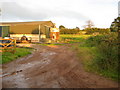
{"points": [[51, 67]]}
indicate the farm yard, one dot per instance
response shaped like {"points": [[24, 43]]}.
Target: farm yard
{"points": [[69, 44], [71, 63]]}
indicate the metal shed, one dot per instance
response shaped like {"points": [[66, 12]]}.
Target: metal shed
{"points": [[4, 31]]}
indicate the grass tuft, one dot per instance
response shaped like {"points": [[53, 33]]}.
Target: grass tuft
{"points": [[20, 52]]}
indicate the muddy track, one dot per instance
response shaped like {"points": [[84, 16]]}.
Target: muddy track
{"points": [[51, 67]]}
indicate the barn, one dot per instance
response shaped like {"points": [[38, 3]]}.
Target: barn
{"points": [[35, 31], [4, 31]]}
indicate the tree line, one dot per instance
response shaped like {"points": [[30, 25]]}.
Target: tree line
{"points": [[90, 29]]}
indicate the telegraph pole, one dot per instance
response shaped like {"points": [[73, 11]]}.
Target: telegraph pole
{"points": [[39, 34], [119, 9]]}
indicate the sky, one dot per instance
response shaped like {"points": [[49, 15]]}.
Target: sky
{"points": [[70, 13]]}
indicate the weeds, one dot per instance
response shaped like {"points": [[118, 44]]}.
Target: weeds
{"points": [[98, 53], [105, 59]]}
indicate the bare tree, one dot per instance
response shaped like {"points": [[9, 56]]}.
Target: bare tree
{"points": [[89, 24]]}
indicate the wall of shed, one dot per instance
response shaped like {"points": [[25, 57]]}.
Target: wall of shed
{"points": [[4, 31], [32, 37], [29, 28], [22, 29]]}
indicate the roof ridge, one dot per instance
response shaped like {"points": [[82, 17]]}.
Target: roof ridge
{"points": [[22, 22]]}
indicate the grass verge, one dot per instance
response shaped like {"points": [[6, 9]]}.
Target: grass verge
{"points": [[88, 56], [20, 52], [99, 54]]}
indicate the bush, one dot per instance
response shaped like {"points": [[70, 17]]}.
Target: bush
{"points": [[115, 25], [97, 30], [106, 57]]}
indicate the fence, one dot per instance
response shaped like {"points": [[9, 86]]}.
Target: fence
{"points": [[7, 45]]}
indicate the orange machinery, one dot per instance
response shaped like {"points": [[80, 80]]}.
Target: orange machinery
{"points": [[54, 34]]}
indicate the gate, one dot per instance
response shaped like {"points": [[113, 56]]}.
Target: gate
{"points": [[7, 45]]}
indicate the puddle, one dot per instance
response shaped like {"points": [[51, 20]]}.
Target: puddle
{"points": [[6, 74], [47, 54], [41, 63], [19, 78], [12, 73], [26, 58], [21, 82], [29, 56]]}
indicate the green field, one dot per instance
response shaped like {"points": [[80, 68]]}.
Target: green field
{"points": [[6, 57], [70, 38]]}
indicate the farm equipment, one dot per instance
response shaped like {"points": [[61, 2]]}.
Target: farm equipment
{"points": [[24, 39], [54, 34]]}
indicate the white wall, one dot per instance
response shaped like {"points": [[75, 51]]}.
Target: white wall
{"points": [[33, 37]]}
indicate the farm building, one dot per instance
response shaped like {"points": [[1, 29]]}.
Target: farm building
{"points": [[4, 31], [34, 31]]}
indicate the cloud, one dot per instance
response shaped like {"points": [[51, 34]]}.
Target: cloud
{"points": [[70, 13], [15, 10], [12, 10]]}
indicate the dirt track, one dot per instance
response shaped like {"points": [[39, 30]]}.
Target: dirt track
{"points": [[51, 67]]}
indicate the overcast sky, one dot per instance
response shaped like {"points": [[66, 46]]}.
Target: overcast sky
{"points": [[70, 13]]}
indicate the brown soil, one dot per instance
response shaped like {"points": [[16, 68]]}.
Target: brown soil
{"points": [[51, 67]]}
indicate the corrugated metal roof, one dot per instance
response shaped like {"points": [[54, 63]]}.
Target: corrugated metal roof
{"points": [[27, 27], [17, 23]]}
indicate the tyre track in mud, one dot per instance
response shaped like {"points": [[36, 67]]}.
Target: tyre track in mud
{"points": [[51, 67]]}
